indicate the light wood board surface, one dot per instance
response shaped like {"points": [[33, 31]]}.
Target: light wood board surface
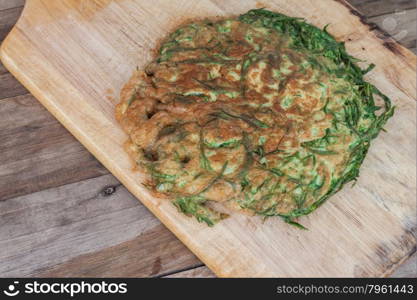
{"points": [[74, 57]]}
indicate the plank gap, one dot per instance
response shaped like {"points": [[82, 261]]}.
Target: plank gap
{"points": [[180, 270]]}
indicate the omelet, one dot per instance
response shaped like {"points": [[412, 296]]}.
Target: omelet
{"points": [[262, 113]]}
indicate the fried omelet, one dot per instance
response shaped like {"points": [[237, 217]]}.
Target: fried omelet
{"points": [[262, 113]]}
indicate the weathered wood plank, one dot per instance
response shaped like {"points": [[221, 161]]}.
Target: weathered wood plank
{"points": [[8, 18], [371, 8], [37, 152], [400, 25], [91, 228], [3, 69], [8, 4], [150, 254], [9, 13], [9, 86]]}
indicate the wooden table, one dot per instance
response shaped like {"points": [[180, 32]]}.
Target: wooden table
{"points": [[63, 214]]}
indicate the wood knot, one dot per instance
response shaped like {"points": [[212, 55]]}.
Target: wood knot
{"points": [[108, 191]]}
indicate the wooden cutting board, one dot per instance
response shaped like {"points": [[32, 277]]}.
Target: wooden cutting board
{"points": [[75, 55]]}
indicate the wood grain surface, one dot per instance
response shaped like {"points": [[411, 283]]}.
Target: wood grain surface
{"points": [[50, 158]]}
